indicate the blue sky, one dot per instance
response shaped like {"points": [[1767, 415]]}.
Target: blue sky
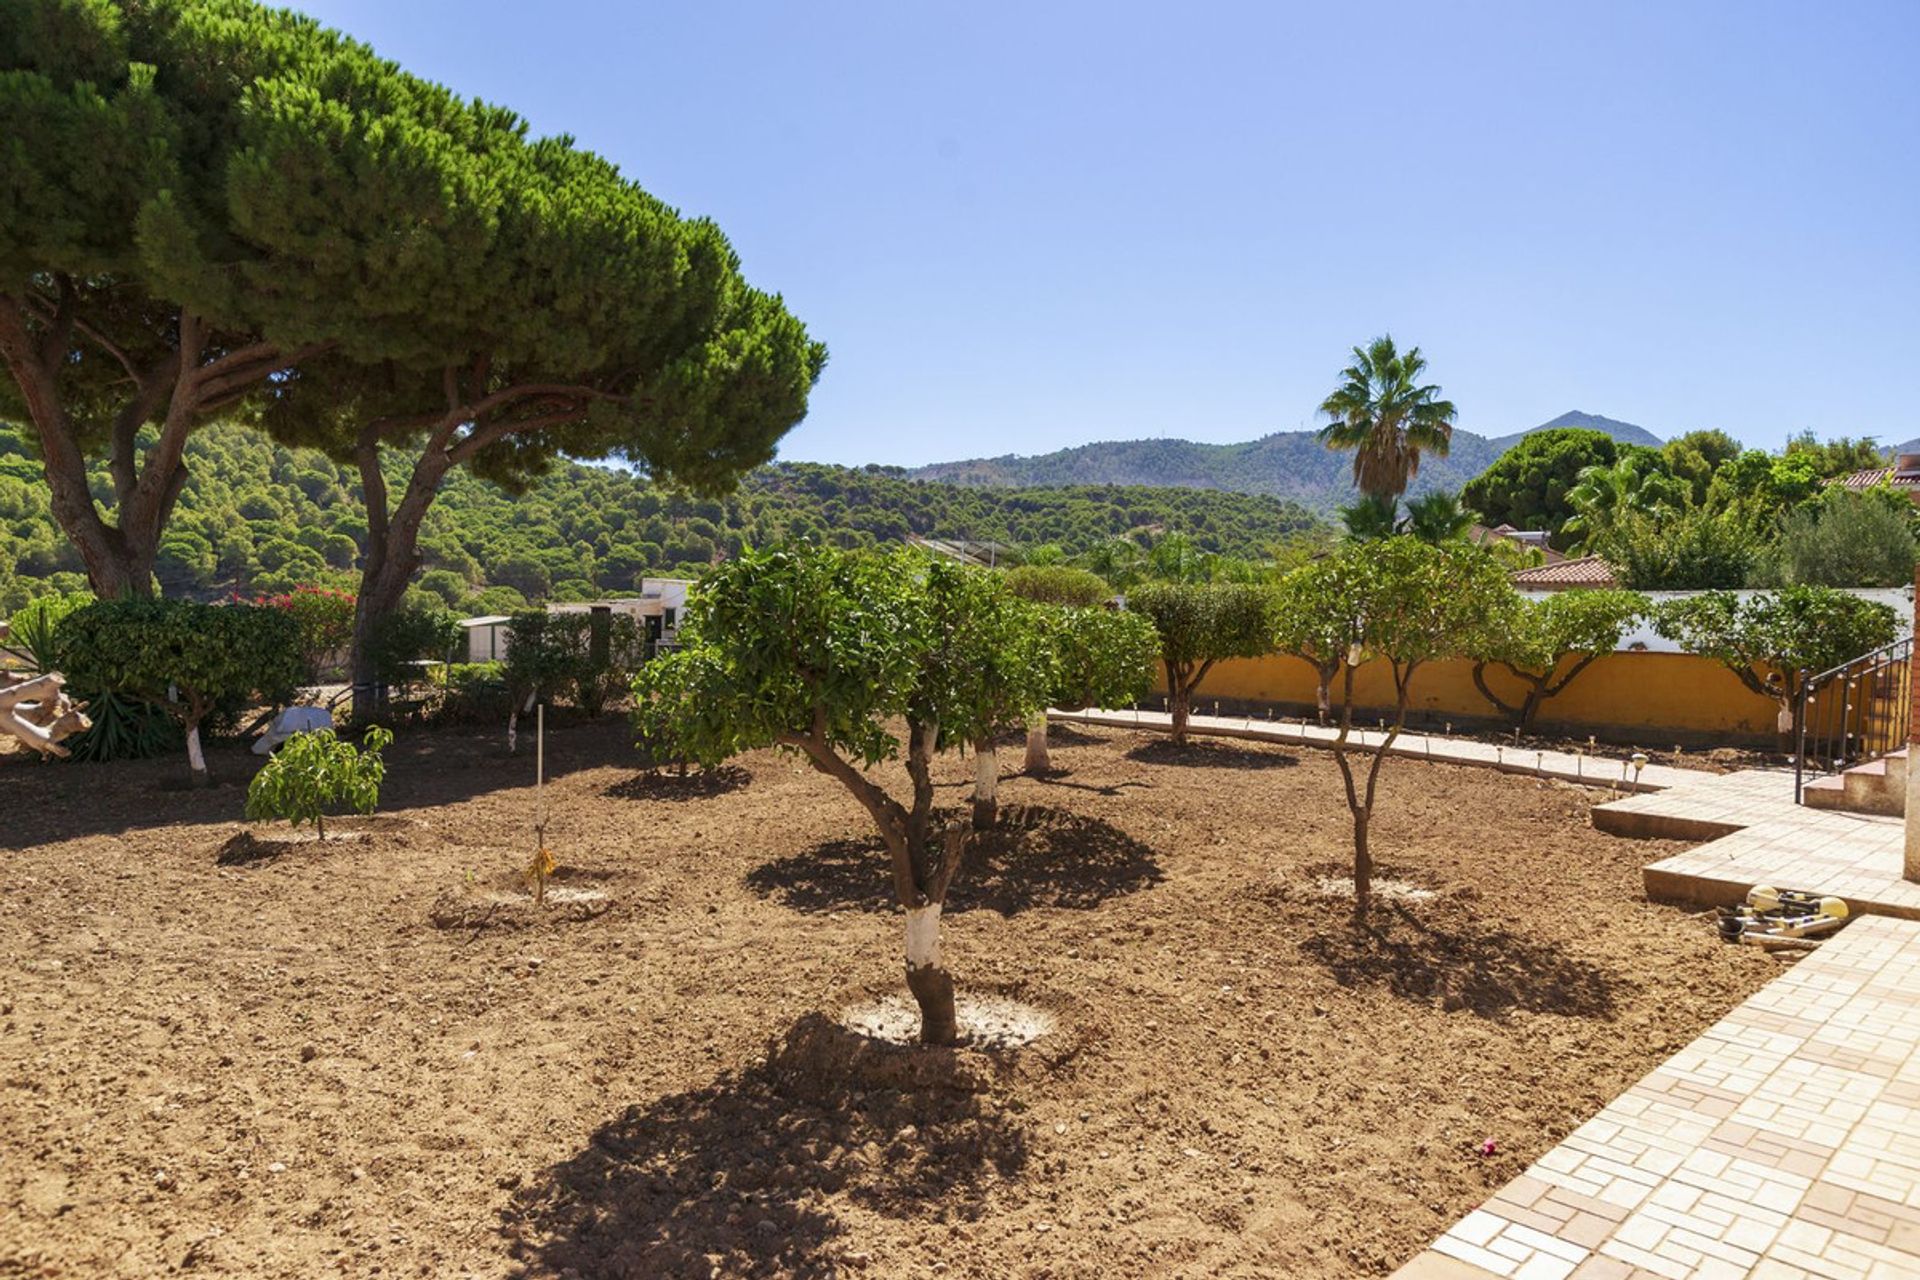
{"points": [[1021, 227]]}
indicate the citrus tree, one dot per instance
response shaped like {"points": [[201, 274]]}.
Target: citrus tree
{"points": [[182, 657], [1405, 603], [1199, 625], [1536, 640], [1772, 640], [313, 771], [1095, 658], [1305, 627], [849, 659]]}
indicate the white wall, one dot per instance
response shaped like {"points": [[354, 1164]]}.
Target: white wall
{"points": [[1643, 637]]}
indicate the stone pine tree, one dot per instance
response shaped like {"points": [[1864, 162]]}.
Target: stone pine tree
{"points": [[1405, 603], [1546, 644], [849, 659], [137, 301], [1200, 625], [363, 260]]}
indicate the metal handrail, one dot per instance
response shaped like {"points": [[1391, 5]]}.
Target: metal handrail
{"points": [[1851, 712]]}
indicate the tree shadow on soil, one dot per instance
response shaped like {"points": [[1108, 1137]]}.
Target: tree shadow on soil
{"points": [[1464, 964], [667, 784], [1210, 755], [738, 1178], [426, 768], [1036, 857], [1058, 778]]}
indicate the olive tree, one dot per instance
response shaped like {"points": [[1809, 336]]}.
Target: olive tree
{"points": [[825, 652], [1406, 603], [184, 658], [1772, 640], [1199, 625], [1095, 658], [1535, 641]]}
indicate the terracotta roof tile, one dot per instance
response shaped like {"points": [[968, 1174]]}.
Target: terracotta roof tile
{"points": [[1587, 571]]}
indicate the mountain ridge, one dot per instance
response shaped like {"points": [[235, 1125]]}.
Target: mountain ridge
{"points": [[1284, 464]]}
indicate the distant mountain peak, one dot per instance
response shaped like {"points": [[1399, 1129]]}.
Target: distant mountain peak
{"points": [[1619, 430]]}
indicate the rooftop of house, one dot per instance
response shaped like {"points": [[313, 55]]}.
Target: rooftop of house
{"points": [[1587, 571], [1903, 474]]}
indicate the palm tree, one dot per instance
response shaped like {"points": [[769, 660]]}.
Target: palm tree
{"points": [[1387, 417], [1369, 518], [1438, 517], [1602, 496]]}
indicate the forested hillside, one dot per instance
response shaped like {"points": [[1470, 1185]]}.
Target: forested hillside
{"points": [[1287, 464], [258, 517]]}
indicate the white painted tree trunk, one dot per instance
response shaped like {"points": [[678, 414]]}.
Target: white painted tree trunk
{"points": [[927, 977], [513, 723], [196, 759], [986, 785], [923, 938], [1037, 759]]}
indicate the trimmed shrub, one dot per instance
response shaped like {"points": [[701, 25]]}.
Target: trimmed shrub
{"points": [[182, 657]]}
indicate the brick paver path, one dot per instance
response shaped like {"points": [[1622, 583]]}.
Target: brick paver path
{"points": [[1784, 1143]]}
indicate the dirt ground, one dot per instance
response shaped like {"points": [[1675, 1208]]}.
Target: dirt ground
{"points": [[224, 1054]]}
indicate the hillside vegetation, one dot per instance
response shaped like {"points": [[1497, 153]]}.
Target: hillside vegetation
{"points": [[258, 517], [1287, 464]]}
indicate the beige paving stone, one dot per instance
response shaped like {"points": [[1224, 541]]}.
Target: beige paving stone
{"points": [[1784, 1142]]}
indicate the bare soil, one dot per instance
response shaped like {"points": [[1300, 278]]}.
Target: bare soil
{"points": [[227, 1053]]}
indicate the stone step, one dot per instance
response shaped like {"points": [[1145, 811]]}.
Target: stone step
{"points": [[1874, 786]]}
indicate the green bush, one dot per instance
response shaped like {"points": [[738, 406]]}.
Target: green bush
{"points": [[476, 693], [1058, 584], [325, 616], [412, 634], [553, 655], [313, 771], [187, 659]]}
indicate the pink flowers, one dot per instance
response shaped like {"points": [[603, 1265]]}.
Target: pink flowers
{"points": [[1489, 1147]]}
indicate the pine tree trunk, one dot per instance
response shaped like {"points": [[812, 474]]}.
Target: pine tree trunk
{"points": [[392, 555], [1037, 759], [927, 977]]}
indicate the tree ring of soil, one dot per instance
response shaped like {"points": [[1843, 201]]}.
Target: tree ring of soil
{"points": [[572, 896], [987, 1021]]}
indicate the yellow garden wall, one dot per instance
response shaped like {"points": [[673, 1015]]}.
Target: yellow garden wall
{"points": [[1652, 697]]}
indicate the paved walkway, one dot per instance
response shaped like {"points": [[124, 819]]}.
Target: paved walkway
{"points": [[1593, 770], [1756, 834], [1783, 1143]]}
